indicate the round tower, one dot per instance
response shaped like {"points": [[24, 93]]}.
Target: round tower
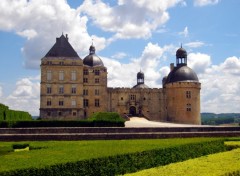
{"points": [[182, 92]]}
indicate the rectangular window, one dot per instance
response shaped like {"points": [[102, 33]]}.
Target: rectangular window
{"points": [[74, 75], [85, 71], [97, 72], [132, 97], [49, 75], [188, 94], [189, 107], [74, 89], [96, 80], [74, 63], [49, 102], [48, 113], [74, 103], [49, 89], [85, 102], [85, 80], [61, 63], [60, 113], [61, 89], [97, 103], [61, 102], [97, 92], [61, 75], [49, 62], [85, 92], [74, 113]]}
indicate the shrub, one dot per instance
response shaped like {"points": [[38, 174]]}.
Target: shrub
{"points": [[126, 163]]}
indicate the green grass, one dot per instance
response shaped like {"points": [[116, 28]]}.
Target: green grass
{"points": [[211, 165], [54, 152]]}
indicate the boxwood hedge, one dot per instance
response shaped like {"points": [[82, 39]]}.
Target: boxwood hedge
{"points": [[126, 163]]}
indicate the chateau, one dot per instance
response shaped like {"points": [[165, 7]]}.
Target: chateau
{"points": [[74, 88]]}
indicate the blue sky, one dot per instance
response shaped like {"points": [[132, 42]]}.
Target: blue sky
{"points": [[129, 35]]}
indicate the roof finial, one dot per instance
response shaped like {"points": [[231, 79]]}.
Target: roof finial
{"points": [[181, 45]]}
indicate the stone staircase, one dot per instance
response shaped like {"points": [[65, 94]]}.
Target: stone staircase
{"points": [[109, 133]]}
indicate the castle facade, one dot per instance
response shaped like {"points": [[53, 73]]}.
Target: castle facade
{"points": [[75, 88]]}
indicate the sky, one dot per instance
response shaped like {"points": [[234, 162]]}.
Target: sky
{"points": [[129, 36]]}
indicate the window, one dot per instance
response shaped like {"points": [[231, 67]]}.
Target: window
{"points": [[74, 75], [189, 107], [74, 113], [61, 63], [48, 113], [61, 75], [49, 102], [74, 63], [61, 89], [85, 80], [61, 102], [97, 92], [188, 94], [49, 62], [85, 92], [121, 98], [96, 80], [60, 113], [85, 71], [49, 89], [74, 103], [132, 97], [74, 89], [85, 102], [97, 72], [49, 75], [97, 104]]}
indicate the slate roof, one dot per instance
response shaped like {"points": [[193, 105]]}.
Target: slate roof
{"points": [[62, 48]]}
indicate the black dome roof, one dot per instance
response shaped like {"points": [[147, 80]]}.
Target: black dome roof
{"points": [[181, 53], [183, 73], [140, 75], [92, 59]]}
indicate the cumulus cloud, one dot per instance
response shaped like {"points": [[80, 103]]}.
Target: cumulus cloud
{"points": [[199, 62], [119, 55], [25, 96], [205, 2], [130, 18], [124, 75], [40, 22]]}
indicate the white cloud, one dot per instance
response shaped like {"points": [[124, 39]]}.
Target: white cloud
{"points": [[25, 96], [199, 62], [205, 2], [131, 18], [196, 44], [119, 55], [184, 32], [41, 22]]}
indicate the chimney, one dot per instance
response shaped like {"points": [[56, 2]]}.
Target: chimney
{"points": [[66, 36], [171, 66]]}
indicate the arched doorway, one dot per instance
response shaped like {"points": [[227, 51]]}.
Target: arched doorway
{"points": [[132, 111]]}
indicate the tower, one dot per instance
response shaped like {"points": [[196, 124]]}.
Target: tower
{"points": [[182, 92]]}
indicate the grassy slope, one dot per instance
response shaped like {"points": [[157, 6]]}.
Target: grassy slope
{"points": [[65, 151], [216, 164]]}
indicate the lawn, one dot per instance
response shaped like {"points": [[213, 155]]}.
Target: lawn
{"points": [[47, 153], [210, 165]]}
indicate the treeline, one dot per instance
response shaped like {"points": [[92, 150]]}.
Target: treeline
{"points": [[218, 119], [7, 114]]}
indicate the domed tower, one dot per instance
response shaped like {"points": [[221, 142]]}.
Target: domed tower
{"points": [[182, 92], [140, 81], [94, 84]]}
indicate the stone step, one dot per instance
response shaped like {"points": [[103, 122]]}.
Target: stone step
{"points": [[50, 130], [116, 136]]}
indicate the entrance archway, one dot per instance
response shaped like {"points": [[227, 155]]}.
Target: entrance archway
{"points": [[132, 111]]}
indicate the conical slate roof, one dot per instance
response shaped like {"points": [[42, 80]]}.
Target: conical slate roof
{"points": [[62, 48]]}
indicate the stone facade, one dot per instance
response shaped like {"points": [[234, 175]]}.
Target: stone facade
{"points": [[75, 88]]}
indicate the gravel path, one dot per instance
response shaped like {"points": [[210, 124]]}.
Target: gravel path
{"points": [[142, 122]]}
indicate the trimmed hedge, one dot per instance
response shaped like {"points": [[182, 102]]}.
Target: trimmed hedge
{"points": [[106, 116], [62, 123], [12, 115], [127, 163]]}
